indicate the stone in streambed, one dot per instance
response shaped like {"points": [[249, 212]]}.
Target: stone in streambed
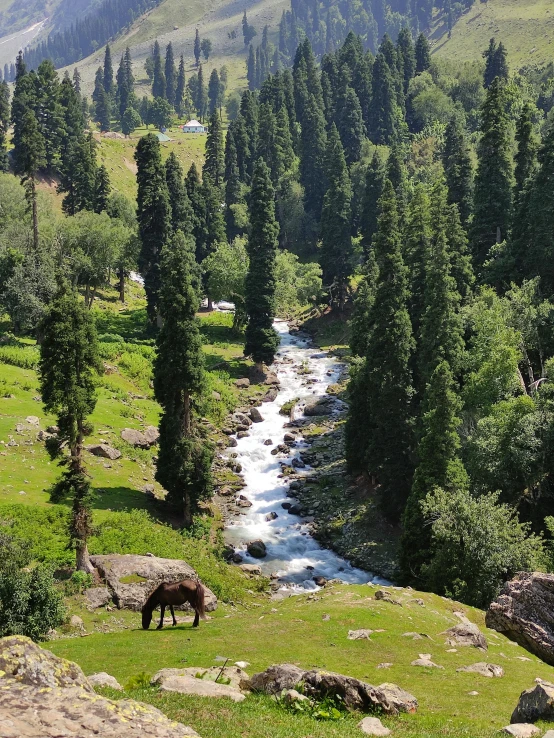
{"points": [[255, 415], [271, 516], [257, 549]]}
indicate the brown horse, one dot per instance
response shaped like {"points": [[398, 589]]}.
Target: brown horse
{"points": [[175, 594]]}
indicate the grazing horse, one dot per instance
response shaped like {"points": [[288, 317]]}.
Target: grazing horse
{"points": [[175, 594]]}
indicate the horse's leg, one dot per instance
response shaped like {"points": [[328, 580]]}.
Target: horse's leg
{"points": [[162, 611], [173, 615], [196, 619]]}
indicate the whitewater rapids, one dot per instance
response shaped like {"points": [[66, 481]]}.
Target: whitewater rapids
{"points": [[292, 553]]}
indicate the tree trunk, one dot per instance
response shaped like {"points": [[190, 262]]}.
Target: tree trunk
{"points": [[187, 510], [210, 303], [83, 562], [121, 285], [35, 212]]}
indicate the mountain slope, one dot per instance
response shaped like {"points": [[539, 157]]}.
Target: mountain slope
{"points": [[525, 27]]}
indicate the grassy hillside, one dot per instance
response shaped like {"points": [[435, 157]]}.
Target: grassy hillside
{"points": [[176, 21], [311, 631], [526, 28]]}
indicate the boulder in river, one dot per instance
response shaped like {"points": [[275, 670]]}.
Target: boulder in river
{"points": [[523, 612], [255, 415], [321, 406], [257, 549], [43, 695], [131, 579]]}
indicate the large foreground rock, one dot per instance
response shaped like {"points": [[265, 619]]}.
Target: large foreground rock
{"points": [[534, 704], [523, 611], [356, 695], [190, 684], [42, 695], [131, 579], [234, 676]]}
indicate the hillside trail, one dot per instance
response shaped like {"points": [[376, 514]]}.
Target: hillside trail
{"points": [[304, 372]]}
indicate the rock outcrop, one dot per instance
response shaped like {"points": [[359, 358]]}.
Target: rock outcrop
{"points": [[43, 695], [486, 670], [355, 694], [131, 579], [141, 439], [523, 612], [534, 704]]}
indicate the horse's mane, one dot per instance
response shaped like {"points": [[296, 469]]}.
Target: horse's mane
{"points": [[151, 602]]}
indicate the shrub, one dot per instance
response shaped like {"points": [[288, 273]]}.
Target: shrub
{"points": [[25, 357], [44, 530], [77, 583], [30, 603]]}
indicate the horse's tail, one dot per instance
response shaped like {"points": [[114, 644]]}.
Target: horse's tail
{"points": [[200, 606]]}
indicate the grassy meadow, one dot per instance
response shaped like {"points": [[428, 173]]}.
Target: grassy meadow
{"points": [[297, 630]]}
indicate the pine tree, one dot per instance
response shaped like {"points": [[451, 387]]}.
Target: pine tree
{"points": [[374, 181], [125, 84], [363, 304], [201, 102], [458, 169], [68, 370], [441, 332], [493, 193], [406, 51], [214, 93], [312, 161], [214, 165], [102, 111], [460, 259], [195, 195], [233, 188], [154, 217], [184, 457], [77, 80], [79, 177], [103, 190], [261, 339], [180, 87], [350, 124], [422, 54], [527, 148], [336, 217], [197, 49], [4, 125], [107, 79], [158, 77], [384, 387], [417, 235], [384, 119], [170, 75], [214, 222], [29, 155], [439, 465], [496, 63], [181, 210], [49, 112], [251, 75]]}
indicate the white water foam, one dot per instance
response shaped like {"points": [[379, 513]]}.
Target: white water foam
{"points": [[290, 547]]}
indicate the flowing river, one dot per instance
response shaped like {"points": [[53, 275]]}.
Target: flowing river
{"points": [[292, 553]]}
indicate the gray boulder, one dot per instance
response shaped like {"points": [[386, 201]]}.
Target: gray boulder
{"points": [[104, 451], [131, 579], [257, 549], [43, 695], [277, 678], [521, 730], [234, 675], [97, 597], [523, 612], [534, 704], [373, 726], [255, 415], [104, 680], [321, 406], [466, 634], [242, 383], [486, 670]]}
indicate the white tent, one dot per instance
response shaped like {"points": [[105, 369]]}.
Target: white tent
{"points": [[193, 126]]}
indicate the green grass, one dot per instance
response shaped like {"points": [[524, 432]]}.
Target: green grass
{"points": [[294, 631], [525, 27]]}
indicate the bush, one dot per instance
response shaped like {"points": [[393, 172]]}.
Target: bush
{"points": [[44, 530], [30, 603], [25, 357], [477, 546], [77, 583]]}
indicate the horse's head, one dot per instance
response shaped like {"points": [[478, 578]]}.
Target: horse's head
{"points": [[146, 617]]}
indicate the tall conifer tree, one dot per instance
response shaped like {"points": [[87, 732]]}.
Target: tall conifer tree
{"points": [[184, 458], [181, 210], [170, 75], [107, 79], [493, 194], [336, 219], [261, 338], [458, 169], [158, 77], [214, 165], [68, 368], [154, 217]]}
